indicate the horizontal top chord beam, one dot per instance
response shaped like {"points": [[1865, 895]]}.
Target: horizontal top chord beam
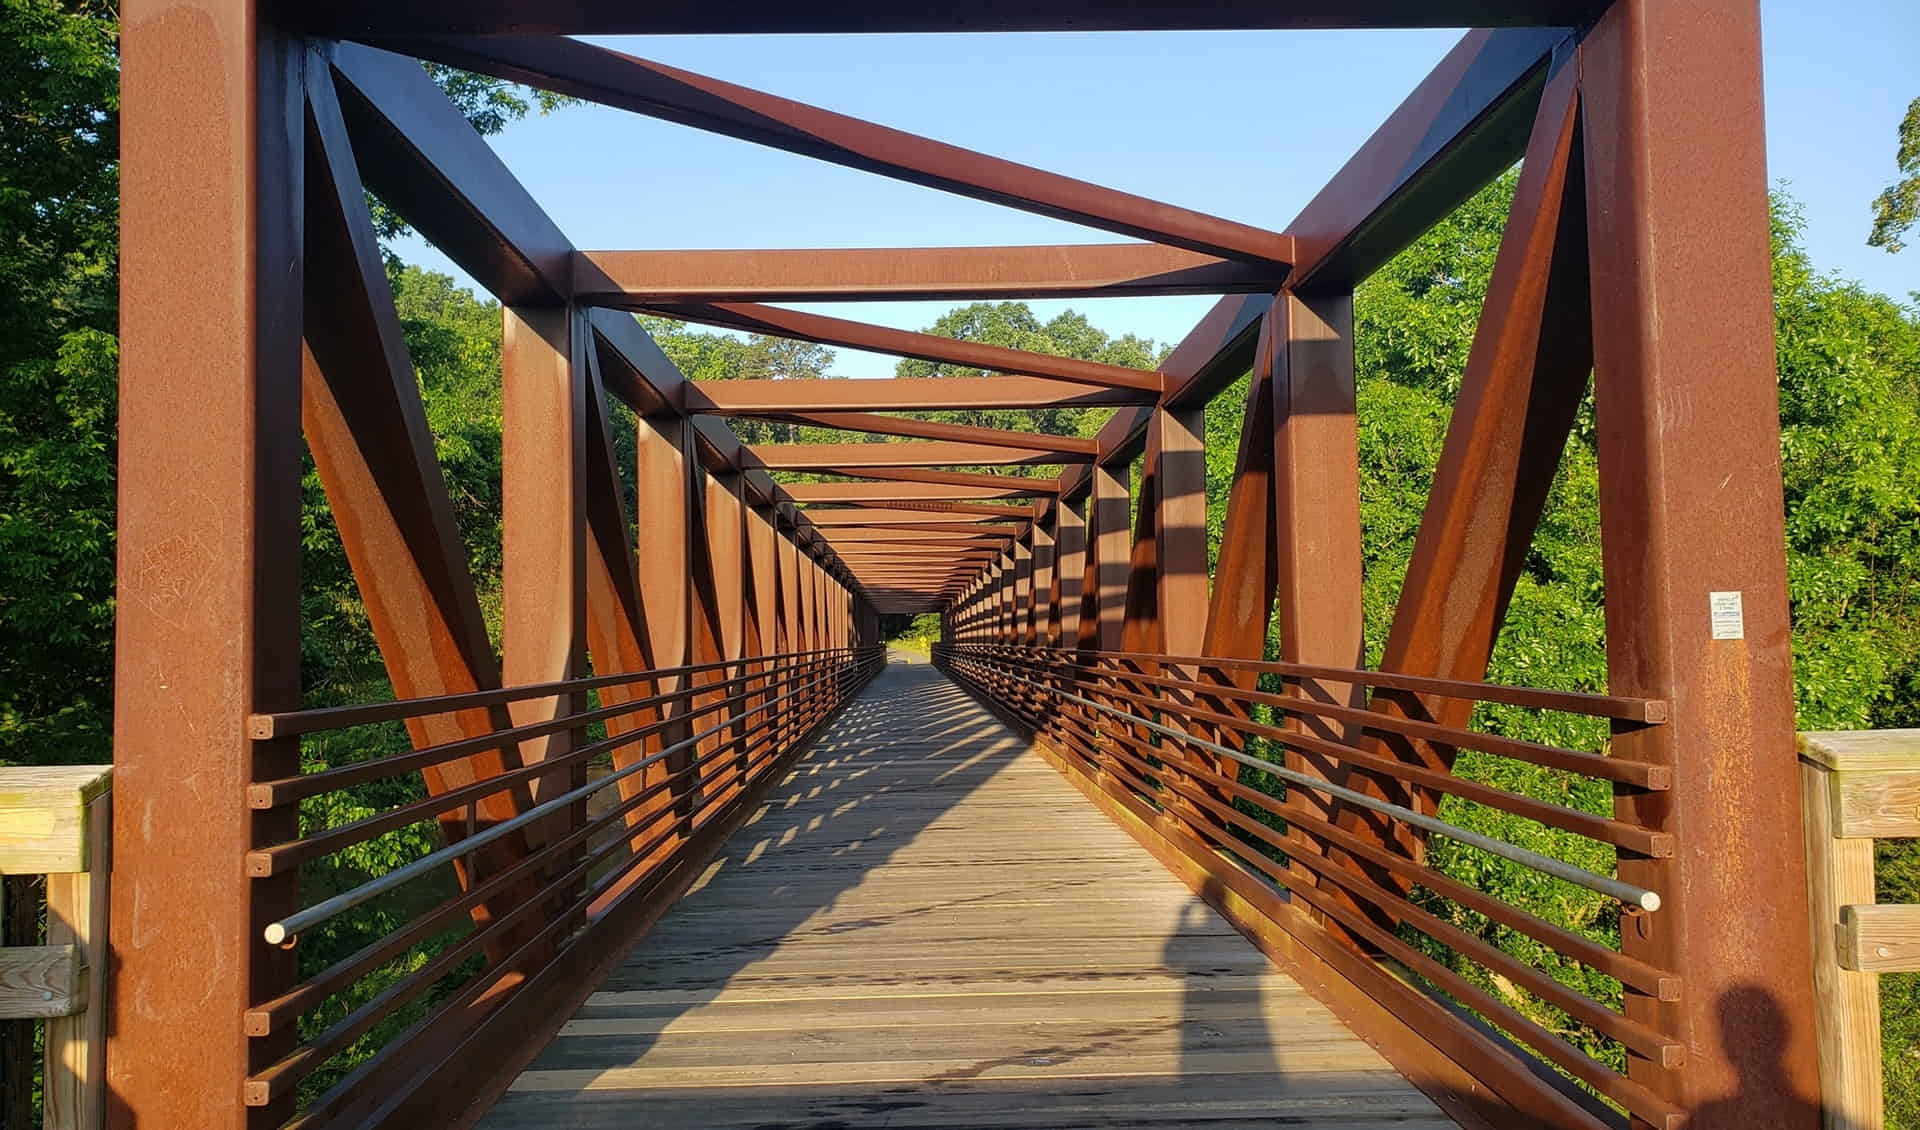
{"points": [[641, 278], [691, 17]]}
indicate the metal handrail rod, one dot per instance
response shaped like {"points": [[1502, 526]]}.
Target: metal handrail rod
{"points": [[330, 908], [1580, 876]]}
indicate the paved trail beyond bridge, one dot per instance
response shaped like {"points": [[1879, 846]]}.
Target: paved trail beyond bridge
{"points": [[925, 925]]}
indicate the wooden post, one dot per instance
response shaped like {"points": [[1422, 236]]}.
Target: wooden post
{"points": [[1855, 788], [58, 821]]}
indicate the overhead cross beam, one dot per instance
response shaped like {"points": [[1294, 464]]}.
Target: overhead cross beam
{"points": [[596, 74], [933, 429], [904, 394], [642, 278], [833, 456], [870, 516], [777, 322], [904, 493], [690, 17], [956, 478]]}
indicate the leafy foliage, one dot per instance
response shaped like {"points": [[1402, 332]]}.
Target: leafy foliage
{"points": [[59, 202], [1898, 208]]}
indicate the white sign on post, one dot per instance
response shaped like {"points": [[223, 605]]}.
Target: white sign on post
{"points": [[1729, 617]]}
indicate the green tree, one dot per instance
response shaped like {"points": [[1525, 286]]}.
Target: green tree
{"points": [[59, 247], [59, 144], [706, 355], [1896, 209]]}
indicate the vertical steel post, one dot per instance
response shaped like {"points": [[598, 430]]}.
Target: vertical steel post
{"points": [[1692, 529], [543, 413], [208, 627], [663, 514], [1070, 556], [1040, 623], [1103, 590], [1316, 488]]}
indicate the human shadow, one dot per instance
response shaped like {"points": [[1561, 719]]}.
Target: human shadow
{"points": [[1757, 1040], [1223, 1025]]}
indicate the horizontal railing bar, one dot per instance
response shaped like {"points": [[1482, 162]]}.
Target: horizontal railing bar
{"points": [[286, 1072], [294, 924], [287, 790], [1625, 709], [1628, 1093], [1620, 834], [1639, 774], [1656, 1046], [1613, 888], [284, 856], [467, 993], [1628, 970], [294, 722]]}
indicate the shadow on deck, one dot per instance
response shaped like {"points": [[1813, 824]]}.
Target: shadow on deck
{"points": [[925, 925]]}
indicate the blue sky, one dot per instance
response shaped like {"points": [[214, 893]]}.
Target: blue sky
{"points": [[1246, 125]]}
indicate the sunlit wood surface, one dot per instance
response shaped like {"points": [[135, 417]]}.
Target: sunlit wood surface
{"points": [[926, 926]]}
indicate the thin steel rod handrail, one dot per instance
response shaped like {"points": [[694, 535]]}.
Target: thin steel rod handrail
{"points": [[1614, 888], [330, 908]]}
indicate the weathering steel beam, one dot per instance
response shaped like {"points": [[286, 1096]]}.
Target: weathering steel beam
{"points": [[912, 454], [776, 321], [901, 394], [933, 429], [640, 278], [646, 87]]}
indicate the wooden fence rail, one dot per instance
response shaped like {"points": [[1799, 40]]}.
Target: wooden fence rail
{"points": [[1859, 787], [57, 821]]}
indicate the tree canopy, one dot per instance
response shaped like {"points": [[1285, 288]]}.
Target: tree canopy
{"points": [[1898, 208]]}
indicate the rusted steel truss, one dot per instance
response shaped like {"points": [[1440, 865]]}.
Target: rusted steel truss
{"points": [[711, 617]]}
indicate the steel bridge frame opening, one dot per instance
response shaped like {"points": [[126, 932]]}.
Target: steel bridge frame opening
{"points": [[256, 320]]}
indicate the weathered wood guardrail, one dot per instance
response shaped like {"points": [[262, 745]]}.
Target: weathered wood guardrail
{"points": [[57, 821], [1859, 786]]}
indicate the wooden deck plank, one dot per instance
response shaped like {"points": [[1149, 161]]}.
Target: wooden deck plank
{"points": [[926, 926]]}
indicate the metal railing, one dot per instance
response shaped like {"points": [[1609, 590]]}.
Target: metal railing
{"points": [[596, 829], [1300, 796]]}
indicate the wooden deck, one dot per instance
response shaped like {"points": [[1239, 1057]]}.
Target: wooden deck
{"points": [[927, 926]]}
